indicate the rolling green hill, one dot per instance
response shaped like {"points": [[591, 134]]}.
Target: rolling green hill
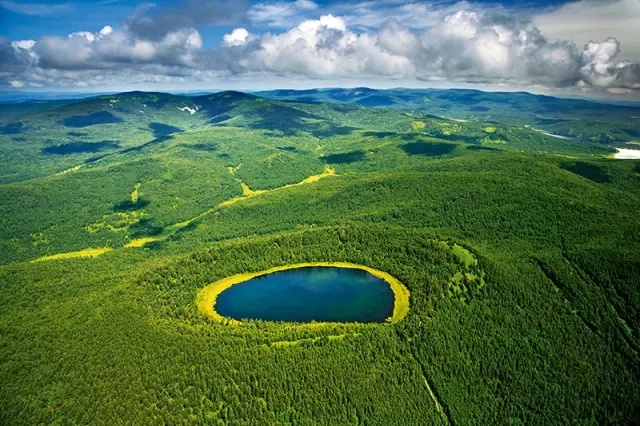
{"points": [[520, 251], [573, 118]]}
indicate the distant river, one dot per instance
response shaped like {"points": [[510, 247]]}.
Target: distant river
{"points": [[627, 154]]}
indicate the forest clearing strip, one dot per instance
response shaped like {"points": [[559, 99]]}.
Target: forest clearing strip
{"points": [[289, 343], [86, 253], [440, 408], [249, 193], [433, 396], [69, 170], [625, 331], [559, 289], [139, 242], [621, 325]]}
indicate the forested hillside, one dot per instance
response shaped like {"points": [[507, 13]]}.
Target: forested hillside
{"points": [[519, 249]]}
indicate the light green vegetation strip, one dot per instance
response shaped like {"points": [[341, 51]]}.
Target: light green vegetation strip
{"points": [[135, 194], [280, 344], [246, 194], [90, 252], [464, 255], [172, 229], [206, 299]]}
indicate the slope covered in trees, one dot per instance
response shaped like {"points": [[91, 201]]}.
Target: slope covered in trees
{"points": [[520, 252]]}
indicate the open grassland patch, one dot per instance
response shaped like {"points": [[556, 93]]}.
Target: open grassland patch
{"points": [[319, 340], [69, 170], [90, 253], [135, 194], [464, 255], [492, 141], [248, 192], [468, 279], [116, 222], [328, 171], [418, 125], [140, 242]]}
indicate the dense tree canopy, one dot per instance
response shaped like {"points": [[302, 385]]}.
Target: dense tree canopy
{"points": [[523, 268]]}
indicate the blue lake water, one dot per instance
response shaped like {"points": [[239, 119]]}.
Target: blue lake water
{"points": [[309, 294]]}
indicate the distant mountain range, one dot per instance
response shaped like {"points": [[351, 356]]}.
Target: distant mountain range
{"points": [[573, 118]]}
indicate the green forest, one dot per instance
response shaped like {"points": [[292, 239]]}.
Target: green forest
{"points": [[520, 251]]}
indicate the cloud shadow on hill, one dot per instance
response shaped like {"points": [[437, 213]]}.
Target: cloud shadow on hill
{"points": [[344, 157], [428, 149]]}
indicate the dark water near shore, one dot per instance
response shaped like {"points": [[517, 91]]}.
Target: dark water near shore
{"points": [[309, 294]]}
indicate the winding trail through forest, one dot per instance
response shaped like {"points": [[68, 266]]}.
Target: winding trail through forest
{"points": [[442, 410], [433, 396]]}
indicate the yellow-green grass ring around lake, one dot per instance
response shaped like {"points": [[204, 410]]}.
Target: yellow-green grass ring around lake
{"points": [[206, 299]]}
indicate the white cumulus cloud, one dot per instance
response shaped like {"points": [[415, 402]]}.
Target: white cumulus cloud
{"points": [[456, 43], [583, 21], [237, 37], [324, 48]]}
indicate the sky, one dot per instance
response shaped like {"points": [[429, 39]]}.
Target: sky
{"points": [[584, 47]]}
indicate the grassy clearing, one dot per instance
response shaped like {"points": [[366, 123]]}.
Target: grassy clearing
{"points": [[69, 170], [418, 125], [90, 252], [464, 255], [328, 171], [280, 344], [116, 222], [139, 242], [166, 232], [206, 298], [248, 192], [135, 194]]}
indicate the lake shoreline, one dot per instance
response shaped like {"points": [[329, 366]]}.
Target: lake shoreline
{"points": [[206, 298]]}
